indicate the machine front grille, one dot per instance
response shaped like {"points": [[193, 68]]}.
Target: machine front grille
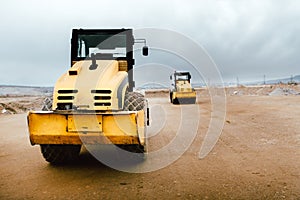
{"points": [[102, 97], [67, 91], [102, 104], [101, 91], [66, 95]]}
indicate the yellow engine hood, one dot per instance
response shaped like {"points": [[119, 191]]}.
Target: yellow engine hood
{"points": [[183, 86], [102, 88]]}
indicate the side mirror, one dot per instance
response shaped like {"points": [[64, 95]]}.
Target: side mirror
{"points": [[145, 51], [171, 77]]}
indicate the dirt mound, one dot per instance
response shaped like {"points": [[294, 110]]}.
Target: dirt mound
{"points": [[20, 99], [156, 93], [12, 108], [283, 91], [14, 105], [272, 90]]}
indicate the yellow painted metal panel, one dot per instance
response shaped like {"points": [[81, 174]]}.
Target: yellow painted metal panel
{"points": [[141, 125], [106, 77], [84, 123], [52, 124], [184, 94], [53, 128], [119, 124]]}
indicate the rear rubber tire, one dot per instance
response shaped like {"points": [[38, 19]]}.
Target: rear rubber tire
{"points": [[47, 104], [134, 101], [59, 154]]}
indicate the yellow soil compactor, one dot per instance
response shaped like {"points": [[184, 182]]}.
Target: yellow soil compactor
{"points": [[93, 102], [182, 91]]}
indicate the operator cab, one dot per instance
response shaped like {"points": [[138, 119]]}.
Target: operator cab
{"points": [[114, 44], [106, 44], [181, 77]]}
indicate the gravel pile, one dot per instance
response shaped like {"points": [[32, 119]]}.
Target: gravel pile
{"points": [[283, 92]]}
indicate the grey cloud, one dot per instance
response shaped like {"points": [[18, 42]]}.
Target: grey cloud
{"points": [[245, 38]]}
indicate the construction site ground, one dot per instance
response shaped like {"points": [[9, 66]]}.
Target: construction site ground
{"points": [[256, 157]]}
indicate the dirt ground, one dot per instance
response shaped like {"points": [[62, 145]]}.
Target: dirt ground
{"points": [[256, 157]]}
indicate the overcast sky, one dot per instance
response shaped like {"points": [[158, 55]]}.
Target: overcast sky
{"points": [[245, 38]]}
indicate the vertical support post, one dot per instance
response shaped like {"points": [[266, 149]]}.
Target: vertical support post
{"points": [[129, 57]]}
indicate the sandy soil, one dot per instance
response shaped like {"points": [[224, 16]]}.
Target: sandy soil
{"points": [[256, 157]]}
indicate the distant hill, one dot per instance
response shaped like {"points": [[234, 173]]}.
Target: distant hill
{"points": [[152, 86], [24, 90], [273, 81], [284, 80]]}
